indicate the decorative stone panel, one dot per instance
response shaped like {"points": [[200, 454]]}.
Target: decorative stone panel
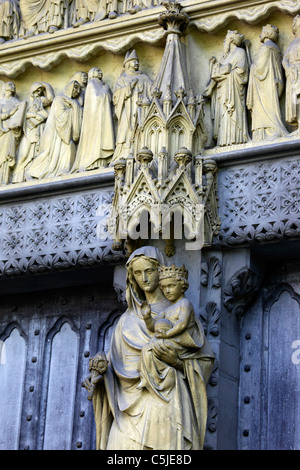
{"points": [[56, 232], [259, 202]]}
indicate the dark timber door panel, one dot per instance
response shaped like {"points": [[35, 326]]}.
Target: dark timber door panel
{"points": [[270, 364], [46, 340]]}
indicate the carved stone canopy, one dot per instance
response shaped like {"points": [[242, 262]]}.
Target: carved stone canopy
{"points": [[164, 174]]}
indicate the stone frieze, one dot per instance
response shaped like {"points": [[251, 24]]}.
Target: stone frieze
{"points": [[259, 202], [55, 233]]}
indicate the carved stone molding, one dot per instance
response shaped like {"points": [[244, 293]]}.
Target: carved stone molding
{"points": [[214, 377], [223, 11], [260, 202], [56, 233], [240, 290], [46, 51], [212, 416], [210, 317], [211, 272], [123, 32]]}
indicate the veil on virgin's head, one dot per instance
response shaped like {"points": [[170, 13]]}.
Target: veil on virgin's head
{"points": [[133, 293], [150, 252]]}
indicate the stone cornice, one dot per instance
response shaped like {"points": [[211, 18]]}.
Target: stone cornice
{"points": [[238, 155], [210, 15], [57, 186], [46, 50]]}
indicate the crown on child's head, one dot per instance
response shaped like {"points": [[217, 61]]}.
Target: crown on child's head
{"points": [[173, 271]]}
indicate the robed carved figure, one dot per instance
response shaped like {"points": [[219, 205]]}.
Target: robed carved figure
{"points": [[291, 64], [81, 78], [9, 20], [131, 87], [41, 97], [11, 121], [266, 83], [97, 139], [170, 415], [40, 16], [227, 89], [62, 131]]}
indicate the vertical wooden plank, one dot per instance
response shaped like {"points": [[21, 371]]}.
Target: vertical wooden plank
{"points": [[62, 330], [249, 433], [269, 405], [34, 373], [11, 390], [61, 390], [283, 429]]}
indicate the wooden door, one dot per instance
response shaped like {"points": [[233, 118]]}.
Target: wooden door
{"points": [[270, 364], [46, 340]]}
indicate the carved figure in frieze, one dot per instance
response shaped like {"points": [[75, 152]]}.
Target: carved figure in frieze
{"points": [[41, 97], [131, 87], [291, 64], [57, 14], [61, 133], [97, 139], [34, 17], [42, 16], [227, 90], [266, 83], [11, 121], [132, 418], [110, 9], [83, 11], [9, 20], [82, 79], [177, 324], [133, 6]]}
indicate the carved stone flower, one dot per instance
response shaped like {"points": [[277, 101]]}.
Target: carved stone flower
{"points": [[86, 233], [87, 205], [63, 209], [61, 235], [12, 243], [15, 217]]}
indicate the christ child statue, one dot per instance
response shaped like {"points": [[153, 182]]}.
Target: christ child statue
{"points": [[175, 325]]}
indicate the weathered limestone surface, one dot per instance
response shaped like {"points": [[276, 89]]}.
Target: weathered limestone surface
{"points": [[188, 99]]}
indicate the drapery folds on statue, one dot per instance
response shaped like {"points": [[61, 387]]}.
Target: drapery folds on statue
{"points": [[266, 83], [97, 142], [130, 418], [58, 149]]}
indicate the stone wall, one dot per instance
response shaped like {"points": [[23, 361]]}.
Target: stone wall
{"points": [[63, 282]]}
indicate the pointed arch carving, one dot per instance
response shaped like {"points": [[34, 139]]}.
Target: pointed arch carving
{"points": [[275, 293], [59, 385], [106, 328], [8, 329], [12, 372]]}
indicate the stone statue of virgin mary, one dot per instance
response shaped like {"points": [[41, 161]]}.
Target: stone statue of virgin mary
{"points": [[132, 418]]}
